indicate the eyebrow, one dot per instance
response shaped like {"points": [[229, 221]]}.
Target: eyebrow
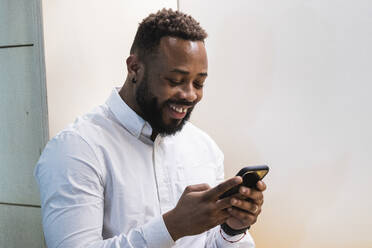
{"points": [[203, 74]]}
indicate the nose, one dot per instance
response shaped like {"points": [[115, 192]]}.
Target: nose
{"points": [[188, 92]]}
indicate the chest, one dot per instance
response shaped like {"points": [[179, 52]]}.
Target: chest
{"points": [[143, 181]]}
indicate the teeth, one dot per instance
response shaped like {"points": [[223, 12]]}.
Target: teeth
{"points": [[178, 109]]}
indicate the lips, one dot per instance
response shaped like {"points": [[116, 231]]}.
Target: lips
{"points": [[177, 111]]}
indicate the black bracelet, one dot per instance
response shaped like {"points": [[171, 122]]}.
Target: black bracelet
{"points": [[232, 232]]}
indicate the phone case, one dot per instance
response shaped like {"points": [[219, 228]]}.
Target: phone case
{"points": [[251, 175]]}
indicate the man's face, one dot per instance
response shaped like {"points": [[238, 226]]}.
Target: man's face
{"points": [[172, 84]]}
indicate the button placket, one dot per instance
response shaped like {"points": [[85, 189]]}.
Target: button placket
{"points": [[159, 175], [162, 180]]}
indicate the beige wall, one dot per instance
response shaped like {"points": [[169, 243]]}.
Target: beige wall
{"points": [[86, 44], [289, 85]]}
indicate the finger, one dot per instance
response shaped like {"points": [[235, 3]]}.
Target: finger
{"points": [[197, 187], [223, 203], [261, 186], [245, 205], [238, 196], [215, 192], [223, 216], [259, 202], [245, 218], [252, 194]]}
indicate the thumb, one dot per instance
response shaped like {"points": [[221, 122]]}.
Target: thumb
{"points": [[197, 188]]}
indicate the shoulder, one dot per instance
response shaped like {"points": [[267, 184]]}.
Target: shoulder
{"points": [[92, 124], [74, 148], [97, 129], [67, 152]]}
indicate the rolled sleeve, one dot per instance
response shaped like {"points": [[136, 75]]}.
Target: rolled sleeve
{"points": [[156, 233]]}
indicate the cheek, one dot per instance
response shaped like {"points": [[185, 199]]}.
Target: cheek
{"points": [[164, 91], [169, 93], [199, 95]]}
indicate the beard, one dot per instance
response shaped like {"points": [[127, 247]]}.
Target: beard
{"points": [[153, 111]]}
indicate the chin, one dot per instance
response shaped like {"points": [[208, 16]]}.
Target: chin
{"points": [[171, 129], [169, 126]]}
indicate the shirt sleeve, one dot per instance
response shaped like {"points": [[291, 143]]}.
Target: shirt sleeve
{"points": [[214, 237], [72, 200]]}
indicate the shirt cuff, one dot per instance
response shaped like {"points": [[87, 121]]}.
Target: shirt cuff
{"points": [[156, 233]]}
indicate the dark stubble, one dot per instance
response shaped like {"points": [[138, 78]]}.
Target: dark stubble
{"points": [[152, 110]]}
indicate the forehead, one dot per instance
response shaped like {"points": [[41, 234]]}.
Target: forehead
{"points": [[179, 53]]}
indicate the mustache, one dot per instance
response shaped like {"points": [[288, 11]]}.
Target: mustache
{"points": [[182, 102]]}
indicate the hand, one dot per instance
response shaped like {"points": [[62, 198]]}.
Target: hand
{"points": [[247, 206], [199, 209]]}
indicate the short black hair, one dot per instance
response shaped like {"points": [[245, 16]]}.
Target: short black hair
{"points": [[165, 22]]}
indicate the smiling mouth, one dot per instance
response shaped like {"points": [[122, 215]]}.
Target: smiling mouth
{"points": [[177, 111]]}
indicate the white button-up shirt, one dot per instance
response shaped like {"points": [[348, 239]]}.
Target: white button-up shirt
{"points": [[105, 183]]}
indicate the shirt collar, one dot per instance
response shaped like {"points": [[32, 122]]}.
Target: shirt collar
{"points": [[127, 116]]}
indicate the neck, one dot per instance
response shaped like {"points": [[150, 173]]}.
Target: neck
{"points": [[128, 95]]}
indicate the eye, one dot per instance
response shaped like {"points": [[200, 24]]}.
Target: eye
{"points": [[198, 85], [174, 82]]}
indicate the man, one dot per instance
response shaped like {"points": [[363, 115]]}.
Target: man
{"points": [[134, 172]]}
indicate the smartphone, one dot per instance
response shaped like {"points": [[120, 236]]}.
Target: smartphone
{"points": [[251, 175]]}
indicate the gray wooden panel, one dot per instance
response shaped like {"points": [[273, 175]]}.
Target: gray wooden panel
{"points": [[16, 22], [21, 124], [20, 227]]}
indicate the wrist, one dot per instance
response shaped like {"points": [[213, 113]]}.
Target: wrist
{"points": [[172, 225], [232, 232], [234, 240]]}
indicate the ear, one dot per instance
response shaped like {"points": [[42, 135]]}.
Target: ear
{"points": [[133, 67]]}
